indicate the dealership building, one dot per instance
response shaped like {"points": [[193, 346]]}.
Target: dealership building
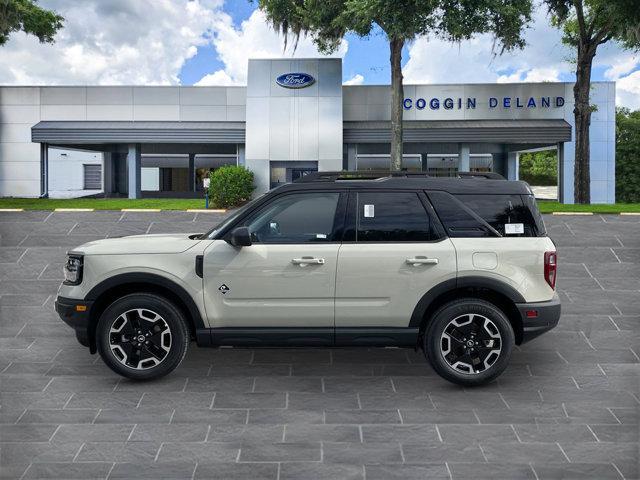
{"points": [[293, 117]]}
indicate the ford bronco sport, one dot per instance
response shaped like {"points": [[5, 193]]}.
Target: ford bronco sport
{"points": [[460, 267]]}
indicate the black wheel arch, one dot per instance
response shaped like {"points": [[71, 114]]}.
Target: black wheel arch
{"points": [[499, 293], [109, 290]]}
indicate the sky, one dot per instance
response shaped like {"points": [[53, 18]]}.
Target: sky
{"points": [[208, 42]]}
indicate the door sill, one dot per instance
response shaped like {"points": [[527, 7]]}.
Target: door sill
{"points": [[307, 337]]}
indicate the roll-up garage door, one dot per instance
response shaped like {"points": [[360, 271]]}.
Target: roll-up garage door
{"points": [[93, 177]]}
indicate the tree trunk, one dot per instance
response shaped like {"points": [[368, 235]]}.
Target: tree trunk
{"points": [[582, 115], [397, 98]]}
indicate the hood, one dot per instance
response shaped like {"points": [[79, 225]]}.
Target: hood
{"points": [[139, 244]]}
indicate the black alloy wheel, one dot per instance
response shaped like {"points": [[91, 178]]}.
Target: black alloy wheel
{"points": [[469, 341], [142, 336], [140, 339]]}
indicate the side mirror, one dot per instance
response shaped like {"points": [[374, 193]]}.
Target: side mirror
{"points": [[240, 237]]}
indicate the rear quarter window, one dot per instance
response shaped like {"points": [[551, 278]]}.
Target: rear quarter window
{"points": [[478, 215]]}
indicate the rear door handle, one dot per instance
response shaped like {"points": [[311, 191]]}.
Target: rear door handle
{"points": [[307, 261], [417, 261]]}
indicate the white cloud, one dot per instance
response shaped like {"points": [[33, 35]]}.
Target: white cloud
{"points": [[545, 58], [436, 61], [531, 75], [357, 79], [114, 42], [253, 39], [621, 70], [622, 65], [628, 91], [219, 77]]}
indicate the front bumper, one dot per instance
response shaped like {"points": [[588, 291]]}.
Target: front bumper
{"points": [[76, 318], [548, 314]]}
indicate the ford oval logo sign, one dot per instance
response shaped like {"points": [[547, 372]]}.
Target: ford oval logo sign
{"points": [[295, 80]]}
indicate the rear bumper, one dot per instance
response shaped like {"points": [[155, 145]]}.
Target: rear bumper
{"points": [[78, 320], [548, 314]]}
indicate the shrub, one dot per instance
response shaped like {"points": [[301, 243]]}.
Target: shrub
{"points": [[539, 168], [627, 156], [230, 186]]}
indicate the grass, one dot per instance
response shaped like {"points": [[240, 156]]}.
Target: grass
{"points": [[102, 203], [545, 206]]}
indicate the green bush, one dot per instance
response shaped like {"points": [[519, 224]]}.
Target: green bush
{"points": [[539, 168], [230, 186], [627, 156]]}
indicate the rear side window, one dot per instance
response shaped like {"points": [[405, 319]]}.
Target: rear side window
{"points": [[484, 215], [391, 217]]}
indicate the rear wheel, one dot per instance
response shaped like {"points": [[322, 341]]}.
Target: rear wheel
{"points": [[469, 342], [142, 336]]}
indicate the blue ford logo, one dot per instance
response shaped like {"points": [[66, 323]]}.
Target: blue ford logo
{"points": [[295, 80]]}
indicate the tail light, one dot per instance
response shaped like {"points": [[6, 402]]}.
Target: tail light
{"points": [[550, 268]]}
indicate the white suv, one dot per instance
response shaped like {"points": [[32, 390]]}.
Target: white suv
{"points": [[460, 267]]}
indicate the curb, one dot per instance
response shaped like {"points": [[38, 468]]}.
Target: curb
{"points": [[74, 209], [141, 210], [131, 210], [218, 210], [203, 210], [572, 213]]}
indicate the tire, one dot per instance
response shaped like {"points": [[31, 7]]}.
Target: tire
{"points": [[147, 324], [463, 339]]}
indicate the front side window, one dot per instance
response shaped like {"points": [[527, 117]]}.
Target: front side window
{"points": [[296, 218], [391, 217]]}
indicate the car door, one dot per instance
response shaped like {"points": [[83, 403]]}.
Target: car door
{"points": [[394, 251], [285, 280]]}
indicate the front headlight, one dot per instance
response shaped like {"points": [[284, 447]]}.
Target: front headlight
{"points": [[73, 270]]}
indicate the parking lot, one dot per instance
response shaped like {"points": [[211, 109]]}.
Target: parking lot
{"points": [[567, 407]]}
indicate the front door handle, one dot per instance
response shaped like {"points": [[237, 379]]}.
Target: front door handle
{"points": [[307, 261], [417, 261]]}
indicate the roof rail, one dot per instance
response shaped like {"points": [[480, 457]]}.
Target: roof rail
{"points": [[487, 175], [380, 174]]}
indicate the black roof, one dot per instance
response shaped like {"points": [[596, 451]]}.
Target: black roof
{"points": [[465, 183]]}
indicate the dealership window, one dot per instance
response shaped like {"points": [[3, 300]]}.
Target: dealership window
{"points": [[296, 218], [392, 217], [92, 175], [290, 171]]}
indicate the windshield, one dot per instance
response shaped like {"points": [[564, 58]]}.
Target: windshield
{"points": [[230, 219]]}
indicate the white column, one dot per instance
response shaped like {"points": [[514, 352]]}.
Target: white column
{"points": [[351, 156], [133, 170], [464, 152], [562, 176], [240, 155], [513, 161]]}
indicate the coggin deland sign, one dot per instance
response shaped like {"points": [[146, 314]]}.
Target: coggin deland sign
{"points": [[469, 103], [302, 80]]}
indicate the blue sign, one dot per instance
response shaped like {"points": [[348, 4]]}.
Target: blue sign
{"points": [[295, 80], [469, 103]]}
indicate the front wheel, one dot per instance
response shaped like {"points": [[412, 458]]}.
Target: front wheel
{"points": [[142, 336], [469, 342]]}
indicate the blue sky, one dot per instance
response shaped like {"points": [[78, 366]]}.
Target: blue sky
{"points": [[368, 56]]}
